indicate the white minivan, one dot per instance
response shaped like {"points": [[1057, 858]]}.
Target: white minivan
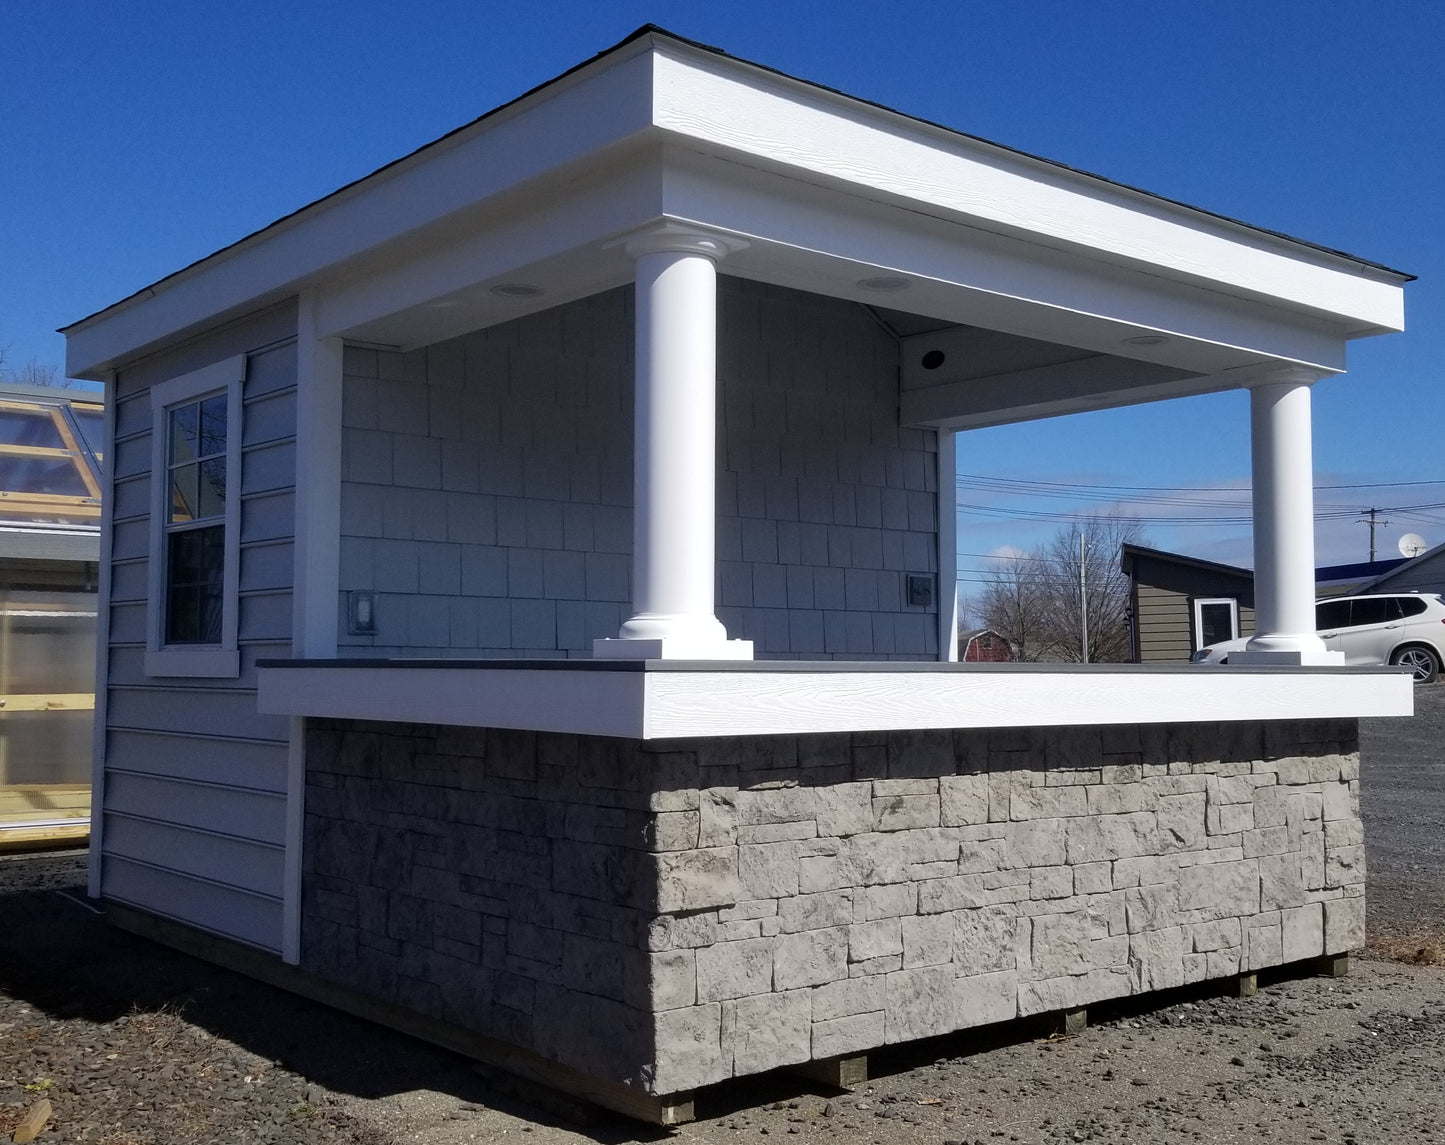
{"points": [[1399, 628]]}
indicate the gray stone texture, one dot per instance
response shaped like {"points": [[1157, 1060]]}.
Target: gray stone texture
{"points": [[671, 914]]}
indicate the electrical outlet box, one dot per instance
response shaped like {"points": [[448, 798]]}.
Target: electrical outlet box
{"points": [[361, 613], [920, 590]]}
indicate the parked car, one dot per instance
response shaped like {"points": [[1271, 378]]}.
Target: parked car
{"points": [[1407, 629]]}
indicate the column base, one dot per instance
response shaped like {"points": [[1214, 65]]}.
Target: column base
{"points": [[671, 648], [1311, 657]]}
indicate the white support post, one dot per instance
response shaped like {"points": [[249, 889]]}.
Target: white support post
{"points": [[1284, 539], [947, 545], [675, 452], [315, 602]]}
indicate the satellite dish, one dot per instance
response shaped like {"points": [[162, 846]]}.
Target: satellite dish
{"points": [[1412, 545]]}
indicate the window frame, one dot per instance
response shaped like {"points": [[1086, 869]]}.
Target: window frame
{"points": [[1196, 609], [222, 659]]}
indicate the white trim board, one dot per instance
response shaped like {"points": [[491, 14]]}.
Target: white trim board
{"points": [[666, 701]]}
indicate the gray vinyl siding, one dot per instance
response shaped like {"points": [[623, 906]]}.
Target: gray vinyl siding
{"points": [[194, 795], [487, 484]]}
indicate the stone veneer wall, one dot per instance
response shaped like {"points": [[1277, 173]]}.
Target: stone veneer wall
{"points": [[669, 914]]}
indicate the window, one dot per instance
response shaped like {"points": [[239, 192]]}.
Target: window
{"points": [[195, 522], [1331, 614], [1214, 621]]}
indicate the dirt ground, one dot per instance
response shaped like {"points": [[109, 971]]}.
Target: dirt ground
{"points": [[133, 1044]]}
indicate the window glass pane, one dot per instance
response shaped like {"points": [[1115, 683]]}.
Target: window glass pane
{"points": [[1409, 605], [185, 492], [91, 420], [185, 430], [20, 426], [212, 501], [213, 426], [195, 568], [1332, 614], [1216, 622], [1367, 611], [52, 475]]}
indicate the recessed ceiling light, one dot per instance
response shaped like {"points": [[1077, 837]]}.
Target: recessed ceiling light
{"points": [[1146, 340], [933, 359], [516, 290], [887, 283]]}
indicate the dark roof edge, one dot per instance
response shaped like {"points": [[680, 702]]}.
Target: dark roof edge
{"points": [[655, 29], [1128, 552]]}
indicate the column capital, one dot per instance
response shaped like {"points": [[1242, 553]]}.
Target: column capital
{"points": [[671, 236], [1287, 376]]}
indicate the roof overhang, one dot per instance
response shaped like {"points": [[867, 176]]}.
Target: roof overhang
{"points": [[1152, 298]]}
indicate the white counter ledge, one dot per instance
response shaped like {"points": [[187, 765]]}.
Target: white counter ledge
{"points": [[669, 699]]}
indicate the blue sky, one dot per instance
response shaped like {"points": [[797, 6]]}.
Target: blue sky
{"points": [[139, 137]]}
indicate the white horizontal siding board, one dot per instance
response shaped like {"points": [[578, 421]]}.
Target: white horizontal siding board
{"points": [[242, 915], [716, 103], [224, 711], [242, 863], [256, 815], [240, 765]]}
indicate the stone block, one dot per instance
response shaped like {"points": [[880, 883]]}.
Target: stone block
{"points": [[735, 969], [1044, 996], [816, 911], [689, 1050], [1344, 925], [1093, 878], [985, 939], [1281, 881], [960, 892], [1048, 803], [718, 817], [1266, 841], [1156, 960], [1303, 931], [1223, 963], [768, 870], [1151, 907], [1338, 803], [905, 812], [810, 958], [778, 832], [981, 856], [1219, 890], [697, 880], [1094, 839], [927, 940], [671, 979], [963, 800], [892, 901], [673, 831], [1120, 798], [1036, 843], [844, 809], [1220, 934], [768, 1032], [1263, 942], [1059, 944], [982, 999], [920, 1003], [1181, 820], [869, 940], [1051, 883], [1344, 866], [1228, 818], [852, 1034]]}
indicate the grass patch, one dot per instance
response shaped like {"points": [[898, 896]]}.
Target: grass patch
{"points": [[1413, 949]]}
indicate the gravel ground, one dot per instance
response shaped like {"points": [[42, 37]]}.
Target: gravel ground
{"points": [[136, 1045]]}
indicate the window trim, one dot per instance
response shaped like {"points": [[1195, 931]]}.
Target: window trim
{"points": [[1196, 606], [221, 660]]}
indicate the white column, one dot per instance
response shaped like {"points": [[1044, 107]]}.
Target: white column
{"points": [[1284, 537], [675, 453]]}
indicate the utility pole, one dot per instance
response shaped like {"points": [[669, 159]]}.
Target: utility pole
{"points": [[1083, 606], [1373, 513]]}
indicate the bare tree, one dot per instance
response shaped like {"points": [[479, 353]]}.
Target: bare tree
{"points": [[1040, 603]]}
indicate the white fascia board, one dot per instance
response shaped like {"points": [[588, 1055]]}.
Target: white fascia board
{"points": [[583, 114], [658, 701], [1011, 285], [723, 104]]}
